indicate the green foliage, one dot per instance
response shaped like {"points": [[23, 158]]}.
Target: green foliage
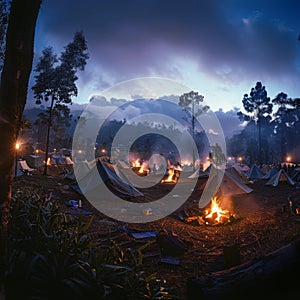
{"points": [[52, 256]]}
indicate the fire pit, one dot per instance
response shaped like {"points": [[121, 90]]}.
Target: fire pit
{"points": [[213, 215]]}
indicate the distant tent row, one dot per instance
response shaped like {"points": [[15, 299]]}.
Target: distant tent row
{"points": [[273, 175], [60, 160], [280, 176], [90, 184], [296, 174]]}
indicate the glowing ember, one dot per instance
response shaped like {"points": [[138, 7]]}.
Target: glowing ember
{"points": [[215, 214]]}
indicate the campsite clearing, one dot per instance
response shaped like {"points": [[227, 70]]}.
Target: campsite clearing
{"points": [[264, 223]]}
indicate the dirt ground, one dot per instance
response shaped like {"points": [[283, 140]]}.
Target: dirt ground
{"points": [[262, 223]]}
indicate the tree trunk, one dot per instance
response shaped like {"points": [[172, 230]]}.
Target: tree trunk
{"points": [[259, 142], [13, 93], [48, 135]]}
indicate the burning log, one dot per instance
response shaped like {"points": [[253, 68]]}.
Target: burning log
{"points": [[215, 214], [212, 216]]}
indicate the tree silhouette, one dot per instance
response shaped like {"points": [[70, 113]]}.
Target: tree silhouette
{"points": [[258, 106], [56, 82], [61, 120], [191, 102]]}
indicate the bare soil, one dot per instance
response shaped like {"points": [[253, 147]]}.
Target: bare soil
{"points": [[263, 223]]}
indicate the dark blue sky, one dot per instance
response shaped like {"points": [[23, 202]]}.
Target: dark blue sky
{"points": [[219, 48]]}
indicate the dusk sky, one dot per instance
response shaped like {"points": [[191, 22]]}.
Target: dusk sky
{"points": [[218, 48]]}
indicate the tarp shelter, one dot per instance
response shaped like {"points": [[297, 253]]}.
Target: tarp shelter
{"points": [[79, 168], [254, 172], [207, 170], [241, 167], [60, 160], [35, 161], [240, 175], [102, 173], [270, 173], [296, 174], [230, 185], [280, 176]]}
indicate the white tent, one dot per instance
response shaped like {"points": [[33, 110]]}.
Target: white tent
{"points": [[280, 176], [240, 175], [242, 168], [296, 174], [79, 168], [254, 172], [270, 173], [102, 173], [230, 185]]}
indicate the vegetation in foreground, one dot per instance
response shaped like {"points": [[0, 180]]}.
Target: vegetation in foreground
{"points": [[51, 256]]}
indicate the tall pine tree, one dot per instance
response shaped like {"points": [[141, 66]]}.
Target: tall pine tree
{"points": [[55, 79]]}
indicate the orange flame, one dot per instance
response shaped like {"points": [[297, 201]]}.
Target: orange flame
{"points": [[143, 169], [216, 213], [170, 177], [136, 163]]}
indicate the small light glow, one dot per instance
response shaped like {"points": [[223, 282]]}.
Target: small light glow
{"points": [[240, 158], [288, 158], [17, 146]]}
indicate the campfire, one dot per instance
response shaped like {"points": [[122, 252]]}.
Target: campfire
{"points": [[214, 215], [172, 176], [136, 164], [143, 170], [140, 169]]}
